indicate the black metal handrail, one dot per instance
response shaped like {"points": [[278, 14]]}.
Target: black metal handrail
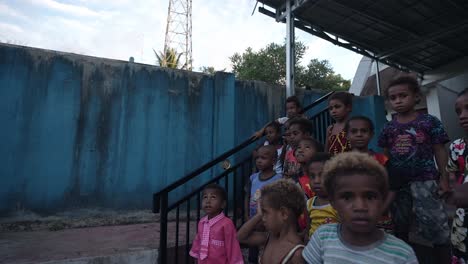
{"points": [[316, 102], [200, 170], [233, 178], [321, 121]]}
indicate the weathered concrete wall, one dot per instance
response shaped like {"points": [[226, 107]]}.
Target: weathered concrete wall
{"points": [[80, 131]]}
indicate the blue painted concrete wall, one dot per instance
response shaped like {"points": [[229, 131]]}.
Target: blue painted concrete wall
{"points": [[80, 131]]}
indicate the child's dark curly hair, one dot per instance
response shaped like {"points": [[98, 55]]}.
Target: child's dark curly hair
{"points": [[295, 100], [275, 125], [352, 163], [305, 125], [363, 118], [410, 81], [271, 150], [284, 193], [317, 145], [218, 189], [465, 91], [344, 97]]}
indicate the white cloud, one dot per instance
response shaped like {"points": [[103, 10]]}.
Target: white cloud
{"points": [[8, 29], [68, 8], [7, 11], [122, 28]]}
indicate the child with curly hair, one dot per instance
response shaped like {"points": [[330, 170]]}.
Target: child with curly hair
{"points": [[357, 186], [281, 204], [415, 145], [299, 128]]}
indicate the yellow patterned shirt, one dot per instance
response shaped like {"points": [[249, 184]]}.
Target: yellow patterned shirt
{"points": [[320, 215]]}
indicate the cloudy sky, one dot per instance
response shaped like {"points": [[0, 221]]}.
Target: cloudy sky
{"points": [[119, 29]]}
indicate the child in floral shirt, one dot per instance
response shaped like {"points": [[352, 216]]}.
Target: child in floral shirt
{"points": [[457, 167]]}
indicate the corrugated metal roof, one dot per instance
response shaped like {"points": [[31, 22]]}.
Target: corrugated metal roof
{"points": [[417, 35]]}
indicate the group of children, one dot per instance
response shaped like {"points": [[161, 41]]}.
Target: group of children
{"points": [[343, 203]]}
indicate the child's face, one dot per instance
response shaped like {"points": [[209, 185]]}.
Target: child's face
{"points": [[292, 110], [358, 202], [272, 218], [315, 175], [296, 135], [402, 98], [359, 134], [305, 151], [265, 159], [272, 135], [338, 110], [461, 108], [287, 137], [212, 203]]}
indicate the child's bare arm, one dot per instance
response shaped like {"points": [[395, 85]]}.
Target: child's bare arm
{"points": [[246, 206], [459, 196], [441, 157], [305, 232], [326, 138], [260, 133], [247, 234], [297, 257]]}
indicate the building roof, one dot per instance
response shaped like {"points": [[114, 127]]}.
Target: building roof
{"points": [[411, 35]]}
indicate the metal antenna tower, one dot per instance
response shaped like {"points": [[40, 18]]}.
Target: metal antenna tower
{"points": [[179, 30]]}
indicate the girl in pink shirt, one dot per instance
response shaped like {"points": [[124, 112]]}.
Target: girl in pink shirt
{"points": [[216, 240]]}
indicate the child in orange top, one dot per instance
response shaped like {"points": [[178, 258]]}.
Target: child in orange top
{"points": [[340, 106], [299, 128], [305, 152], [360, 131]]}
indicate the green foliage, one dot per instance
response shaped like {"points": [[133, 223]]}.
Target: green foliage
{"points": [[168, 58], [269, 65], [209, 70]]}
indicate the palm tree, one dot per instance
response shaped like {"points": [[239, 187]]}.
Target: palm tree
{"points": [[168, 58]]}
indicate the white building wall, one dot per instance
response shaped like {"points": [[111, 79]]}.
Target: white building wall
{"points": [[441, 102]]}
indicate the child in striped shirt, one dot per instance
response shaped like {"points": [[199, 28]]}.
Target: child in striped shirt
{"points": [[357, 186]]}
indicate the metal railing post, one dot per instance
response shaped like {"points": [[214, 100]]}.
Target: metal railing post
{"points": [[163, 227], [290, 41]]}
